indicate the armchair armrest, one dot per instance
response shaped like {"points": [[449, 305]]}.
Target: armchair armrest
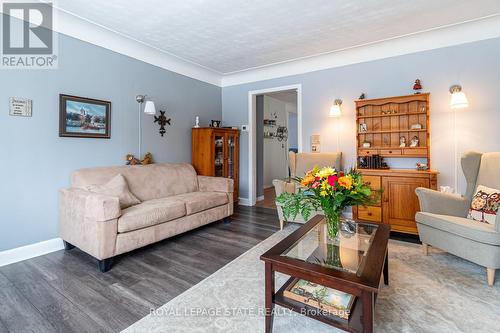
{"points": [[215, 184], [281, 186], [435, 202], [88, 205]]}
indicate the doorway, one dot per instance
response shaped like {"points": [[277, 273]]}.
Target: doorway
{"points": [[275, 129]]}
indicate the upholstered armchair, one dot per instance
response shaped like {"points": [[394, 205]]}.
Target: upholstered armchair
{"points": [[299, 164], [442, 220]]}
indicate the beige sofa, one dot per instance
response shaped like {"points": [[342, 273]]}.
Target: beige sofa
{"points": [[173, 199], [299, 164]]}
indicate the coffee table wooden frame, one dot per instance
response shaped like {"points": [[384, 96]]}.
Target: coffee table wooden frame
{"points": [[364, 285]]}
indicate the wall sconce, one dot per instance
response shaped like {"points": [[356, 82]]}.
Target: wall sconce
{"points": [[458, 99], [335, 109], [149, 108]]}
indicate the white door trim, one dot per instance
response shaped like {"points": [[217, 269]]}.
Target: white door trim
{"points": [[252, 138]]}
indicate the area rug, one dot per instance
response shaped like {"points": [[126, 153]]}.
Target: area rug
{"points": [[435, 293]]}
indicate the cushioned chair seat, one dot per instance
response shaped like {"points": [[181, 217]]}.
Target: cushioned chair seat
{"points": [[476, 231], [150, 213], [200, 201]]}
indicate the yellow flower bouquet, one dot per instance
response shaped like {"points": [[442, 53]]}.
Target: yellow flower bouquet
{"points": [[329, 189]]}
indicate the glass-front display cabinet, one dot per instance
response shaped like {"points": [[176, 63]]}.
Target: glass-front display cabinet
{"points": [[215, 152]]}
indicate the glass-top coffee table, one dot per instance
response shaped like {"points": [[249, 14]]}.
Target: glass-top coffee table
{"points": [[352, 263]]}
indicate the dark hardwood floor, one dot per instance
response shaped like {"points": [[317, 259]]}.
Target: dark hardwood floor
{"points": [[64, 292]]}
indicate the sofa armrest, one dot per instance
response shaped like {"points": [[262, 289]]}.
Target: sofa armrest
{"points": [[215, 184], [435, 202], [91, 206]]}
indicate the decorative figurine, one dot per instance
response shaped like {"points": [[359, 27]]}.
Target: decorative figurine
{"points": [[421, 166], [162, 121], [417, 86], [197, 122], [148, 159], [414, 141], [362, 96], [367, 144], [131, 160], [402, 142], [215, 123]]}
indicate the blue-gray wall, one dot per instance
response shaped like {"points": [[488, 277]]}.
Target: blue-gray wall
{"points": [[475, 66], [37, 162]]}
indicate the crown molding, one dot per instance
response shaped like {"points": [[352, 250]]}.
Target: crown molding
{"points": [[461, 33], [74, 26], [80, 28]]}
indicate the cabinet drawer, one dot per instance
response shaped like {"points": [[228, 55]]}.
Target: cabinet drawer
{"points": [[373, 181], [416, 151], [368, 152], [390, 152], [370, 213]]}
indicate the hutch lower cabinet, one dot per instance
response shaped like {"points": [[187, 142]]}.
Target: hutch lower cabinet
{"points": [[215, 152], [398, 202]]}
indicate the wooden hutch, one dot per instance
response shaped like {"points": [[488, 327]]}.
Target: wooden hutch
{"points": [[381, 125], [215, 152]]}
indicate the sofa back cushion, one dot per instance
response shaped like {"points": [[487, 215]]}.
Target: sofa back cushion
{"points": [[489, 170], [146, 182]]}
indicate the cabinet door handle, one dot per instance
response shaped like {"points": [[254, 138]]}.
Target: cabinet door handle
{"points": [[369, 213]]}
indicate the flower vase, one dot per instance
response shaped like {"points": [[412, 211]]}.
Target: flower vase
{"points": [[333, 224]]}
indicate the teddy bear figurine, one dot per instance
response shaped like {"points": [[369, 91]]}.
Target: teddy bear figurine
{"points": [[131, 160], [148, 159]]}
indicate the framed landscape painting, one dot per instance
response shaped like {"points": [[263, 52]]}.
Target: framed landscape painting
{"points": [[84, 117]]}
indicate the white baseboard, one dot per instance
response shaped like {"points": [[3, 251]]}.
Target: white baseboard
{"points": [[30, 251], [244, 202]]}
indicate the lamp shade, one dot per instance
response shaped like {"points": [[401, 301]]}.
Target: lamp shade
{"points": [[458, 100], [149, 108], [334, 111]]}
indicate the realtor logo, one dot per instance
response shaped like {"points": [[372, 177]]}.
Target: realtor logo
{"points": [[28, 40]]}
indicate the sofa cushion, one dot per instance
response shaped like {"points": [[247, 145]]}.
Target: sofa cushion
{"points": [[116, 187], [200, 201], [461, 226], [146, 182], [150, 213]]}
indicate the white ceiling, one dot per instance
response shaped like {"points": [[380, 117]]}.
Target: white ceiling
{"points": [[228, 36]]}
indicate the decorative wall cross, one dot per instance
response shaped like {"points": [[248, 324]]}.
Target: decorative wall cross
{"points": [[162, 121]]}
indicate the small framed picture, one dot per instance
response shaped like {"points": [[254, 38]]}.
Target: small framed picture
{"points": [[81, 117], [362, 127]]}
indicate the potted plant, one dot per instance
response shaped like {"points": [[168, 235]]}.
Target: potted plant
{"points": [[330, 190]]}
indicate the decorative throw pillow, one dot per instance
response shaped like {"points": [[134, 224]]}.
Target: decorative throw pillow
{"points": [[116, 187], [485, 204]]}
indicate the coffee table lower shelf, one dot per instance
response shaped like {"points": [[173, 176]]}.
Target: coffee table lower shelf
{"points": [[354, 323]]}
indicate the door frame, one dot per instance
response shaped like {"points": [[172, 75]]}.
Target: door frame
{"points": [[252, 137]]}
